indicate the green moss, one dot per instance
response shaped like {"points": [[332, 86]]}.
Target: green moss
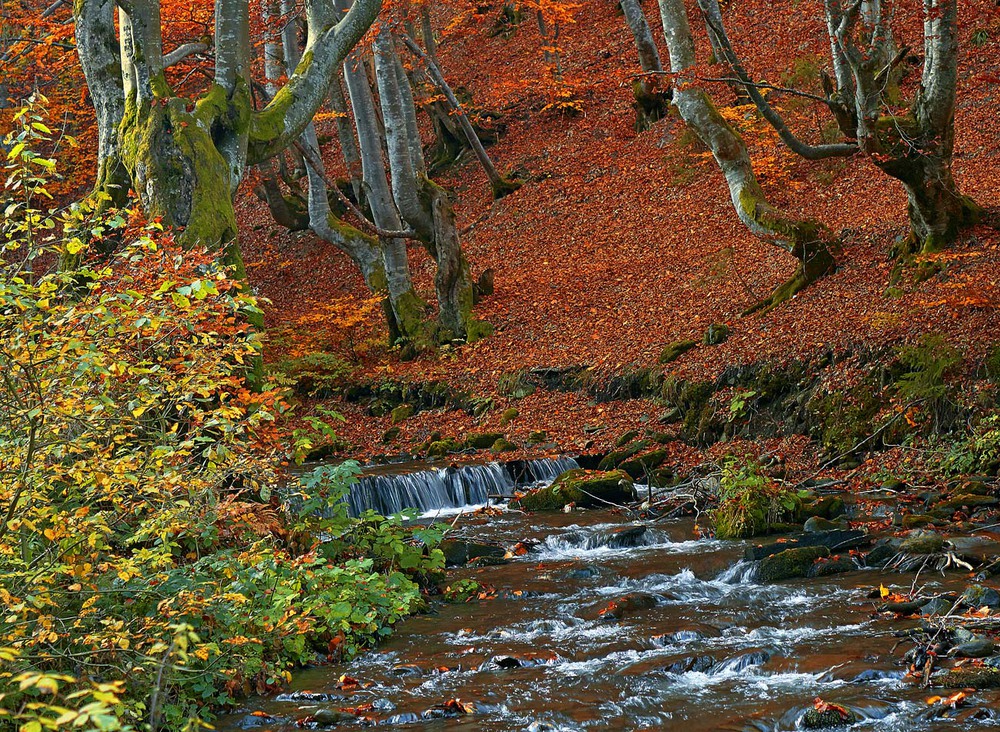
{"points": [[402, 413], [716, 334], [675, 350], [790, 564], [584, 488], [509, 415], [482, 440], [503, 445]]}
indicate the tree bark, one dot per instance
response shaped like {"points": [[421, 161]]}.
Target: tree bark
{"points": [[422, 204], [917, 148], [808, 241], [650, 100]]}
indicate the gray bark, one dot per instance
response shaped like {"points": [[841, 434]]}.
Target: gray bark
{"points": [[806, 240]]}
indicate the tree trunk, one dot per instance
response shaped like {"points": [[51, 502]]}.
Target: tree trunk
{"points": [[916, 149], [651, 99], [409, 310], [422, 204], [808, 241]]}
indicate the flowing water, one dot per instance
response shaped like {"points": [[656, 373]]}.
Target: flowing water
{"points": [[698, 646]]}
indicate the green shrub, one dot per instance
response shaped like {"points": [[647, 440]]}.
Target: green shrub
{"points": [[750, 501]]}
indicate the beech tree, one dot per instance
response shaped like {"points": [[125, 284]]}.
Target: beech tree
{"points": [[810, 242], [914, 146], [186, 157]]}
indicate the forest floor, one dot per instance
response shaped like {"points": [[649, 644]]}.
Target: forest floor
{"points": [[622, 242]]}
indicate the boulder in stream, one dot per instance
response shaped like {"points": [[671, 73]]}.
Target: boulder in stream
{"points": [[790, 563], [837, 540], [583, 488], [976, 596], [969, 677]]}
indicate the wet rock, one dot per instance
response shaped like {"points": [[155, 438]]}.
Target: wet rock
{"points": [[406, 669], [688, 664], [828, 567], [309, 697], [383, 705], [739, 663], [903, 608], [627, 604], [458, 552], [835, 541], [584, 488], [789, 564], [879, 555], [969, 677], [922, 542], [976, 596], [629, 536], [254, 721], [542, 727], [814, 719], [332, 717], [582, 573], [505, 663], [818, 524], [936, 606], [975, 647], [873, 674]]}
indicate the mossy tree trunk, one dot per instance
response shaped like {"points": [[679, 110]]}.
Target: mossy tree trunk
{"points": [[917, 148], [183, 157], [423, 204], [808, 241], [651, 98]]}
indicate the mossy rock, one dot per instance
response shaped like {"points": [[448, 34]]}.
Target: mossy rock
{"points": [[391, 434], [828, 507], [440, 448], [675, 350], [503, 445], [402, 413], [790, 564], [641, 466], [457, 552], [816, 524], [969, 677], [969, 500], [482, 440], [509, 415], [917, 521], [828, 567], [614, 458], [626, 438], [584, 488], [922, 542], [537, 437], [716, 334], [516, 385], [815, 719]]}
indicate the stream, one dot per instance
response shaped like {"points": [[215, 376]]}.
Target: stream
{"points": [[691, 642]]}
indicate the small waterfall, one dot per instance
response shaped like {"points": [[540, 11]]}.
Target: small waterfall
{"points": [[547, 470], [447, 488]]}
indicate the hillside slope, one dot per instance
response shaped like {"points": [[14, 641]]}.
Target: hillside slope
{"points": [[621, 242]]}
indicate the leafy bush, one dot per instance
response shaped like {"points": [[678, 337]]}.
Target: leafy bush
{"points": [[978, 452], [750, 501], [147, 572]]}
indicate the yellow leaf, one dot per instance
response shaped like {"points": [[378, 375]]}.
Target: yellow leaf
{"points": [[137, 412], [883, 590]]}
